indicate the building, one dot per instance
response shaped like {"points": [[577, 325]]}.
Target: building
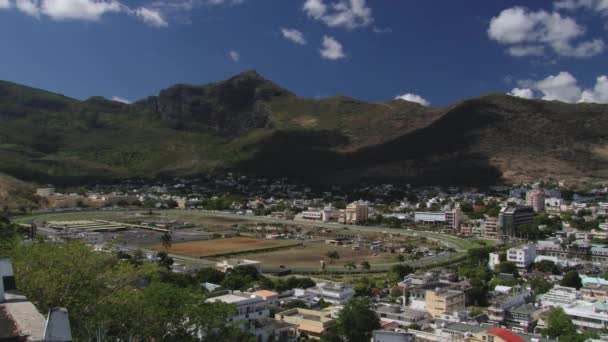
{"points": [[403, 316], [490, 228], [430, 217], [510, 218], [392, 336], [310, 323], [332, 292], [522, 256], [229, 264], [443, 301], [493, 260], [559, 296], [271, 297], [356, 213], [45, 192], [251, 312], [536, 200], [312, 215], [501, 304], [523, 316], [588, 315]]}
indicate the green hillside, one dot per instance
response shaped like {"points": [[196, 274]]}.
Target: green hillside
{"points": [[250, 124]]}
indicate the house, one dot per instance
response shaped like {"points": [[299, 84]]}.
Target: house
{"points": [[392, 336], [310, 323], [332, 292], [442, 301], [229, 264]]}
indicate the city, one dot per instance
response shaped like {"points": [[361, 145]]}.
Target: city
{"points": [[303, 170]]}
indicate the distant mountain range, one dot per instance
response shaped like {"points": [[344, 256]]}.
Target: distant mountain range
{"points": [[251, 125]]}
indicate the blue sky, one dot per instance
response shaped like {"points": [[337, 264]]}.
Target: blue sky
{"points": [[431, 51]]}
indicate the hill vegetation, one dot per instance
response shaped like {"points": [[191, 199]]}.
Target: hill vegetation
{"points": [[250, 124]]}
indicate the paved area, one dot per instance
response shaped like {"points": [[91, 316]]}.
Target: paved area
{"points": [[27, 320]]}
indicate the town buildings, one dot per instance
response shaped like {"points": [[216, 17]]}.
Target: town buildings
{"points": [[522, 256], [512, 217], [536, 200], [442, 301]]}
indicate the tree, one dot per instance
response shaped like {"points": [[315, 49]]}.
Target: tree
{"points": [[332, 255], [508, 267], [547, 266], [350, 265], [572, 279], [357, 321], [167, 240], [559, 324], [365, 265], [398, 272]]}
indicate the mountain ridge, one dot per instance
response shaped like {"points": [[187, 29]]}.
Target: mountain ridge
{"points": [[250, 124]]}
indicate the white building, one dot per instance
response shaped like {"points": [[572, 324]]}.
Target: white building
{"points": [[332, 292], [522, 256], [250, 311], [229, 264], [494, 259], [588, 315], [559, 296]]}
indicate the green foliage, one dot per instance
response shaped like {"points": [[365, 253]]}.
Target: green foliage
{"points": [[507, 267], [560, 325], [397, 272], [290, 283], [242, 278], [101, 292], [547, 266], [539, 285], [572, 279], [355, 323]]}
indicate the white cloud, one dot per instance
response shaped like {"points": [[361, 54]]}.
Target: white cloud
{"points": [[29, 7], [563, 87], [599, 93], [5, 4], [348, 14], [525, 93], [600, 6], [528, 31], [224, 2], [413, 98], [121, 100], [90, 10], [151, 17], [293, 35], [85, 10], [331, 49], [234, 55], [526, 50]]}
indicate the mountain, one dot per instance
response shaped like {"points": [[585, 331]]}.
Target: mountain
{"points": [[250, 124]]}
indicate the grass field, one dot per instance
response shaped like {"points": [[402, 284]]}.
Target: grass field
{"points": [[211, 248], [310, 255]]}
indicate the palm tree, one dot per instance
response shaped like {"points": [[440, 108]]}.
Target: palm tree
{"points": [[365, 265], [350, 266], [450, 251], [167, 240]]}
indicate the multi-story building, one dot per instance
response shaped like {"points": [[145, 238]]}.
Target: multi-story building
{"points": [[403, 316], [522, 256], [490, 228], [536, 200], [310, 323], [451, 219], [588, 315], [523, 316], [442, 301], [392, 336], [45, 192], [332, 292], [510, 218], [559, 296], [579, 251], [250, 312], [493, 260], [356, 213], [500, 304]]}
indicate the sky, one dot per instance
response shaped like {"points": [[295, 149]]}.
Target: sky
{"points": [[433, 52]]}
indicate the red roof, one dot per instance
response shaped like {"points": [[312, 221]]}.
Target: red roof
{"points": [[506, 335]]}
